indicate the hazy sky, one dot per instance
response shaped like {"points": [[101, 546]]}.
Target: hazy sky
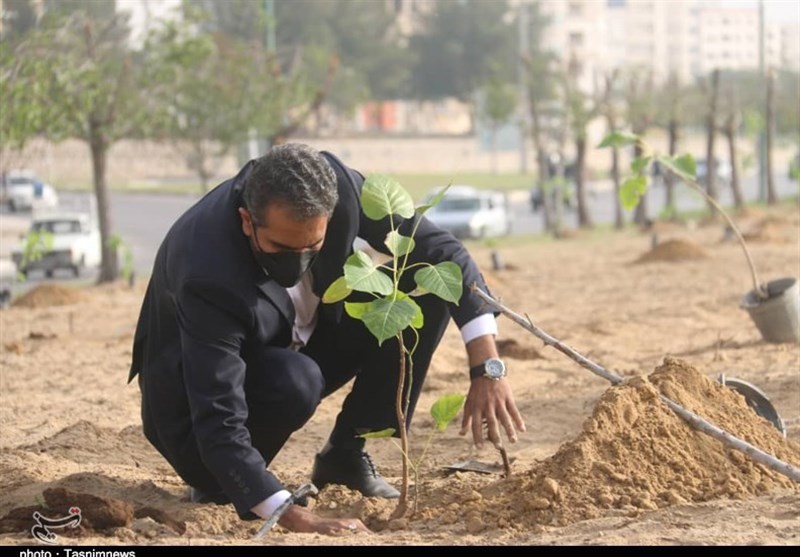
{"points": [[775, 11]]}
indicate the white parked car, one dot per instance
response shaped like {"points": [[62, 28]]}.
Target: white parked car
{"points": [[23, 191], [468, 212], [68, 241], [724, 172]]}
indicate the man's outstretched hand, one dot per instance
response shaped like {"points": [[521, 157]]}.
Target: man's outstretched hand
{"points": [[490, 402], [298, 519]]}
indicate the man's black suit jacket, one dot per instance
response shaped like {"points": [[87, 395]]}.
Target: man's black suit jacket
{"points": [[208, 303]]}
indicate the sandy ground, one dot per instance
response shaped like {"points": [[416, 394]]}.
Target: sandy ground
{"points": [[599, 464]]}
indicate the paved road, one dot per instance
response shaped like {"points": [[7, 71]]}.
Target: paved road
{"points": [[601, 203], [142, 220]]}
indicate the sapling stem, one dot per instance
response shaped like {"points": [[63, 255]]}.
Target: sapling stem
{"points": [[758, 288]]}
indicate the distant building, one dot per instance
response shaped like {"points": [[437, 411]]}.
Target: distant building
{"points": [[144, 13], [684, 38]]}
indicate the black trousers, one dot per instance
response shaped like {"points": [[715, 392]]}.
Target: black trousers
{"points": [[284, 387]]}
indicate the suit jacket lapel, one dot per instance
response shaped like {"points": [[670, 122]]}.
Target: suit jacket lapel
{"points": [[279, 297]]}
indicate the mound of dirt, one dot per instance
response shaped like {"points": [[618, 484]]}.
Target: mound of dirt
{"points": [[767, 230], [673, 250], [635, 454], [47, 295], [84, 442]]}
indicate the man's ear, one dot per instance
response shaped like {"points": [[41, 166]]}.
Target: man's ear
{"points": [[247, 222]]}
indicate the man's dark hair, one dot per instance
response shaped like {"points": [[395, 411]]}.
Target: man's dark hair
{"points": [[294, 175]]}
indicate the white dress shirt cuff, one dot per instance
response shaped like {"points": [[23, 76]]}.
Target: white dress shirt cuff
{"points": [[269, 505], [485, 324]]}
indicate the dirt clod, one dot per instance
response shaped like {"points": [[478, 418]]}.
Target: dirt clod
{"points": [[673, 250], [97, 513], [47, 295]]}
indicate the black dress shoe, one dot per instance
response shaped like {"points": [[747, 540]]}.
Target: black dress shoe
{"points": [[351, 468], [199, 496]]}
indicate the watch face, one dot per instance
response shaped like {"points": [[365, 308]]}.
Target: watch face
{"points": [[495, 368]]}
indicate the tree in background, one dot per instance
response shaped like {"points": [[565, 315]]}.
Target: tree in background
{"points": [[91, 79], [712, 118], [19, 17], [26, 108], [610, 108], [363, 34], [219, 87], [540, 85], [772, 194], [730, 129], [640, 113], [787, 107], [579, 110], [461, 46], [671, 101], [360, 35], [497, 108]]}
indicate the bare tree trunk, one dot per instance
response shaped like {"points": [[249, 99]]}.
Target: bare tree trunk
{"points": [[711, 131], [640, 213], [584, 219], [548, 218], [98, 144], [611, 117], [558, 194], [201, 161], [640, 116], [619, 215], [673, 130], [730, 133], [542, 163], [772, 195]]}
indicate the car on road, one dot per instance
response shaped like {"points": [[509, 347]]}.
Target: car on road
{"points": [[468, 212], [24, 191], [56, 241], [723, 175]]}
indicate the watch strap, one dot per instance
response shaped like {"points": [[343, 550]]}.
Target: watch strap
{"points": [[477, 371]]}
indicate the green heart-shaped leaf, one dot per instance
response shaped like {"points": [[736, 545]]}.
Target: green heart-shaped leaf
{"points": [[631, 191], [638, 165], [684, 166], [388, 317], [356, 310], [382, 434], [437, 197], [398, 244], [618, 139], [361, 274], [445, 410], [443, 279], [382, 196], [337, 291]]}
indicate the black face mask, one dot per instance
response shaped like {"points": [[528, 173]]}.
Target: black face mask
{"points": [[286, 267]]}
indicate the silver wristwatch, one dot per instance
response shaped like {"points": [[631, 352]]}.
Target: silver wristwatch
{"points": [[493, 368]]}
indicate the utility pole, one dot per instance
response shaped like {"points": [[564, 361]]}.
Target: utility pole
{"points": [[524, 113], [269, 43], [762, 136], [269, 10]]}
